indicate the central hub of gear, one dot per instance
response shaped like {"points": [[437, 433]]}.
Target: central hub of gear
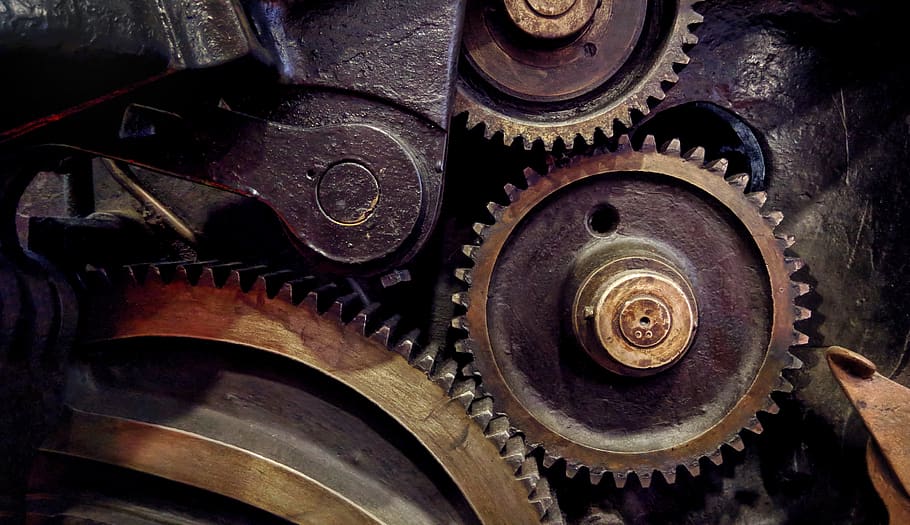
{"points": [[637, 321], [553, 19], [635, 316]]}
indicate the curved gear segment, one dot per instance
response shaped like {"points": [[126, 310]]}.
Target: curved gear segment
{"points": [[530, 74], [632, 311], [334, 333]]}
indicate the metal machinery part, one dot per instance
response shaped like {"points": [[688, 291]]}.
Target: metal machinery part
{"points": [[557, 70], [884, 407], [605, 331], [190, 429], [628, 313], [366, 194]]}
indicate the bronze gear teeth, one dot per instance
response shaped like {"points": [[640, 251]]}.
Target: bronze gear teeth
{"points": [[264, 286]]}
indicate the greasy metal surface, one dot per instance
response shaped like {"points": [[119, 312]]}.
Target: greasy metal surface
{"points": [[204, 463], [583, 414], [402, 52], [286, 167], [882, 404], [298, 332], [559, 89], [895, 497]]}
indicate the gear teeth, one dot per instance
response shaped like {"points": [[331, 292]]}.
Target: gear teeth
{"points": [[470, 250], [795, 363], [716, 457], [461, 299], [460, 323], [755, 426], [207, 278], [720, 166], [444, 375], [773, 218], [785, 241], [470, 371], [532, 177], [271, 282], [514, 452], [669, 475], [802, 313], [772, 408], [672, 147], [649, 145], [153, 276], [363, 318], [596, 476], [407, 345], [322, 297], [799, 338], [549, 460], [739, 181], [794, 264], [464, 347], [696, 154], [736, 443], [528, 474], [383, 334], [346, 307], [624, 144], [498, 431], [482, 411], [644, 478], [694, 468], [572, 470], [543, 500], [495, 210], [244, 277], [800, 289], [480, 229], [757, 198], [425, 360], [512, 192], [463, 275], [620, 479], [464, 392], [783, 385]]}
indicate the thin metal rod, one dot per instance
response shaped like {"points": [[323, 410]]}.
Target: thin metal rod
{"points": [[125, 177]]}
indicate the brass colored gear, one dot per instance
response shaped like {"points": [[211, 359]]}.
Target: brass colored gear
{"points": [[532, 74], [329, 331], [632, 311]]}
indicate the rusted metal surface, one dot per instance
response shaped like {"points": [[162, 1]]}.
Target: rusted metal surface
{"points": [[882, 404], [282, 327], [893, 494], [533, 87], [583, 414]]}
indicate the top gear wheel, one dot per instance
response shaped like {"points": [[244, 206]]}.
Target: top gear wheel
{"points": [[632, 311], [548, 70]]}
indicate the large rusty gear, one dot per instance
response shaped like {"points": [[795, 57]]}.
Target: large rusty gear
{"points": [[530, 74], [328, 330], [632, 311]]}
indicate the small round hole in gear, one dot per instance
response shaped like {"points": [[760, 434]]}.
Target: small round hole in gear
{"points": [[603, 220]]}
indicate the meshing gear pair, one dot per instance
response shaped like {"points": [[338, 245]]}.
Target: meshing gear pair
{"points": [[632, 311]]}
